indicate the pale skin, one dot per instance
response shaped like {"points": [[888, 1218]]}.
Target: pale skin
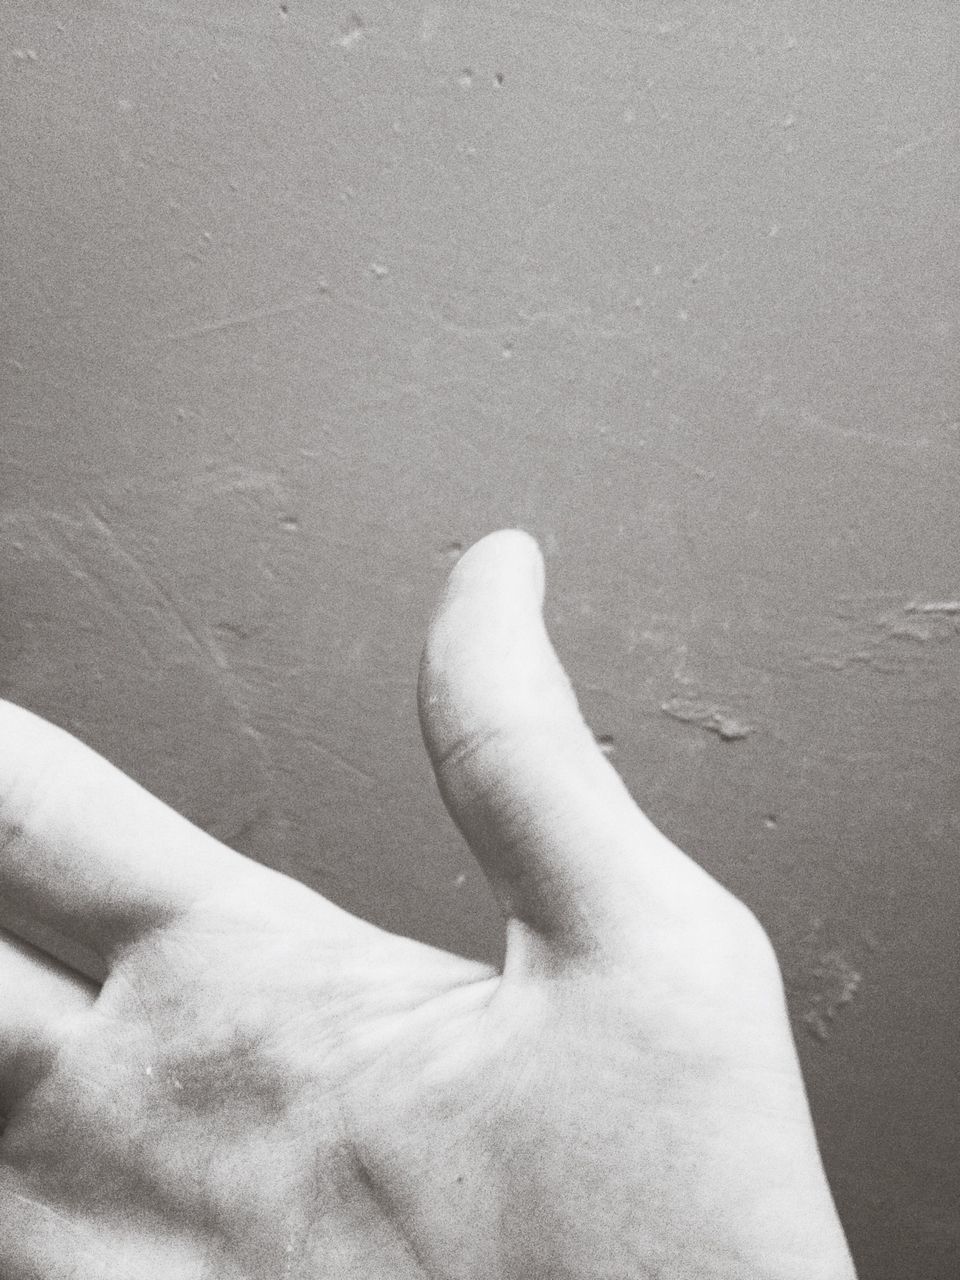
{"points": [[235, 1078]]}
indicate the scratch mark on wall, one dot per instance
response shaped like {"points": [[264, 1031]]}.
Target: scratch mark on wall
{"points": [[857, 434], [257, 316], [134, 617], [707, 716], [331, 753], [47, 530], [935, 606], [924, 140], [188, 483], [204, 644], [879, 641]]}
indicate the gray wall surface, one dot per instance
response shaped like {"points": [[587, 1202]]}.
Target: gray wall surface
{"points": [[298, 299]]}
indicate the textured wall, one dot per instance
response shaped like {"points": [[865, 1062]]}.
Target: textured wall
{"points": [[299, 299]]}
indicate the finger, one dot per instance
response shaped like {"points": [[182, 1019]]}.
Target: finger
{"points": [[89, 860], [38, 999], [562, 842]]}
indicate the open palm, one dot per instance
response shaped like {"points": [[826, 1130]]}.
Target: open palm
{"points": [[208, 1070]]}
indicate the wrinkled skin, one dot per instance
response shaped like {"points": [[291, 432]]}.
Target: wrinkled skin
{"points": [[231, 1077]]}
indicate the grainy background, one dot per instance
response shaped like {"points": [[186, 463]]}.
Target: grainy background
{"points": [[297, 300]]}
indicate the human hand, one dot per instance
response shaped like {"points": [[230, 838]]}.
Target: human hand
{"points": [[249, 1082]]}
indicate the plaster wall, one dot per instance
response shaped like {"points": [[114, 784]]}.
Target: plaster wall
{"points": [[299, 299]]}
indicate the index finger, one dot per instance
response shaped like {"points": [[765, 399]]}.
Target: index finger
{"points": [[89, 860]]}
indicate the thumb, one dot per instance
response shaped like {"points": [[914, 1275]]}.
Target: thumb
{"points": [[558, 835]]}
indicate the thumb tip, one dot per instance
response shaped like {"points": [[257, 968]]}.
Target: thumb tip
{"points": [[507, 560], [492, 602]]}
